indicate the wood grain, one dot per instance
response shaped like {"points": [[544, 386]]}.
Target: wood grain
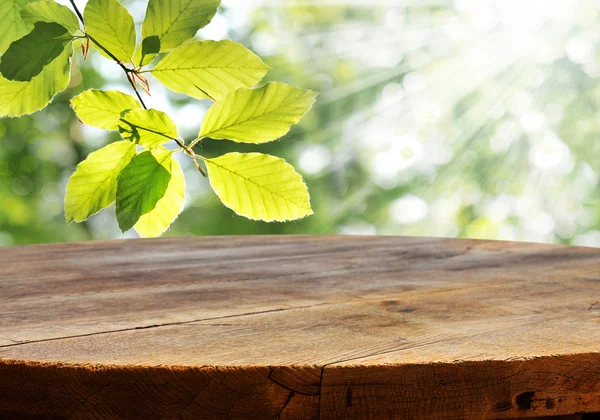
{"points": [[299, 327]]}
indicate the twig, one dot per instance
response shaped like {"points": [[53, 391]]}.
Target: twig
{"points": [[111, 55], [78, 12], [188, 151]]}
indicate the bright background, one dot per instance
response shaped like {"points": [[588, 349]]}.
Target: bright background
{"points": [[466, 118]]}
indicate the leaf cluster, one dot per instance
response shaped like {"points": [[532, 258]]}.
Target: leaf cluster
{"points": [[141, 173]]}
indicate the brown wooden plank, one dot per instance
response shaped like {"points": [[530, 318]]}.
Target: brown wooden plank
{"points": [[299, 327]]}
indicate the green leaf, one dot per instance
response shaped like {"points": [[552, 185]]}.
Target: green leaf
{"points": [[103, 108], [147, 51], [109, 23], [155, 222], [175, 22], [20, 98], [148, 128], [259, 187], [257, 115], [11, 25], [27, 57], [145, 189], [49, 11], [93, 186], [210, 69]]}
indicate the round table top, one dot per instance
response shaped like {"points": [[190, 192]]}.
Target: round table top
{"points": [[302, 324]]}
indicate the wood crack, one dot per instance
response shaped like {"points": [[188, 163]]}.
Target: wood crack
{"points": [[167, 324], [271, 371], [287, 401], [320, 392]]}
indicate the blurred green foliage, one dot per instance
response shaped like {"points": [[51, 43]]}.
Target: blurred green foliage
{"points": [[459, 119]]}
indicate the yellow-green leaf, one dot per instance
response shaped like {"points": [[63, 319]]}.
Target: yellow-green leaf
{"points": [[49, 11], [209, 69], [20, 98], [148, 128], [175, 22], [27, 56], [259, 187], [93, 186], [257, 115], [109, 23], [145, 187], [12, 26], [156, 221], [103, 108]]}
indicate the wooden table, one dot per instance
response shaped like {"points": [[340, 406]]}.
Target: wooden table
{"points": [[306, 327]]}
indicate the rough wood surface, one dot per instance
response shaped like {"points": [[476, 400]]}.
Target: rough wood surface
{"points": [[299, 327]]}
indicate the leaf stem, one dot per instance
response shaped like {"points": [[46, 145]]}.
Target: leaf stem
{"points": [[195, 142], [199, 167], [188, 151], [111, 55]]}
